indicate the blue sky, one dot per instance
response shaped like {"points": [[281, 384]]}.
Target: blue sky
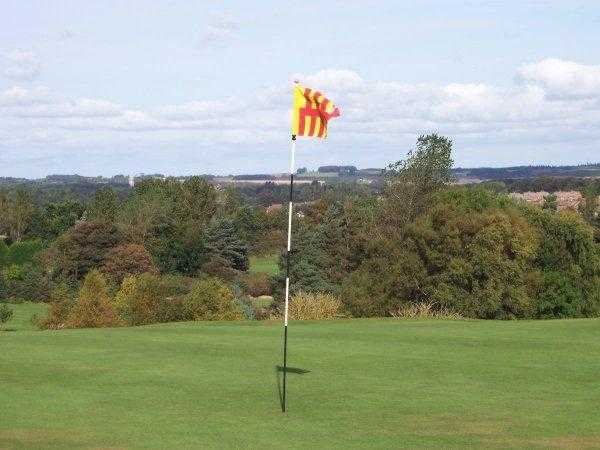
{"points": [[180, 87]]}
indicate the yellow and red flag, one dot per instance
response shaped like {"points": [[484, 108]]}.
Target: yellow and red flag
{"points": [[311, 112]]}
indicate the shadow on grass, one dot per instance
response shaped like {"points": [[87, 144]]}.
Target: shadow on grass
{"points": [[280, 370]]}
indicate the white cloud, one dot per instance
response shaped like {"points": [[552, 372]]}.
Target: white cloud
{"points": [[19, 96], [219, 31], [540, 110], [563, 79], [21, 65]]}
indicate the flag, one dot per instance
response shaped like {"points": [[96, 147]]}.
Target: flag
{"points": [[311, 112]]}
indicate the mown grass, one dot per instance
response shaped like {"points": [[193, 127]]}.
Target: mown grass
{"points": [[22, 315], [372, 384], [264, 264]]}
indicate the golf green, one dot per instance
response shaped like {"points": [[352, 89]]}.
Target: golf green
{"points": [[371, 384]]}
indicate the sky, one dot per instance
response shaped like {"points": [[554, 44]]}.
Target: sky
{"points": [[186, 87]]}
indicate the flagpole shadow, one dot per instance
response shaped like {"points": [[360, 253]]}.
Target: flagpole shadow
{"points": [[279, 370]]}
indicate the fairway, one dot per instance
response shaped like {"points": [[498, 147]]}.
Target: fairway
{"points": [[372, 384]]}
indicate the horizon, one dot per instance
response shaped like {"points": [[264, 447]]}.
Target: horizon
{"points": [[175, 87], [310, 169]]}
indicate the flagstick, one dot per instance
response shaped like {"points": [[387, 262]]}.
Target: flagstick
{"points": [[287, 275]]}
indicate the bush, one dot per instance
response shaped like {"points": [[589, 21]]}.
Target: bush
{"points": [[131, 259], [425, 311], [5, 313], [211, 299], [93, 308], [314, 306], [26, 282], [62, 300], [150, 298], [257, 284]]}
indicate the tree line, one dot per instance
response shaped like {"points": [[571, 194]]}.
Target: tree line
{"points": [[173, 250]]}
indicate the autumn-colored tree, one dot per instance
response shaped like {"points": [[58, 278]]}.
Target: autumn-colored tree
{"points": [[93, 308], [150, 298], [130, 259]]}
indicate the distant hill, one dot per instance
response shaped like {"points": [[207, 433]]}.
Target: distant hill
{"points": [[503, 173]]}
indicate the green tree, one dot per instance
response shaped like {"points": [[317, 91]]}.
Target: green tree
{"points": [[105, 205], [81, 249], [412, 182], [223, 242], [56, 218], [15, 214]]}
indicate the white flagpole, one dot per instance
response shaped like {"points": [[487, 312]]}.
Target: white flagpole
{"points": [[287, 275]]}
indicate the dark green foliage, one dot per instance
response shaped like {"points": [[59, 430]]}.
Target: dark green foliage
{"points": [[105, 205], [55, 219], [224, 243], [20, 253], [169, 218], [414, 180], [477, 253], [5, 313], [25, 282], [81, 249]]}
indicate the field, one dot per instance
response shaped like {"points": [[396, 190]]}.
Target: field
{"points": [[372, 384]]}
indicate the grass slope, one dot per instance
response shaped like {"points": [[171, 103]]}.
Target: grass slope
{"points": [[264, 264], [373, 384], [22, 314]]}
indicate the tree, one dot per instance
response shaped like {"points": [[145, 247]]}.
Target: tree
{"points": [[81, 249], [15, 214], [224, 242], [169, 218], [93, 308], [105, 205], [150, 298], [56, 218], [129, 259], [412, 182]]}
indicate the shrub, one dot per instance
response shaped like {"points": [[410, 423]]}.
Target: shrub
{"points": [[314, 306], [219, 267], [150, 298], [257, 284], [26, 282], [424, 310], [211, 299], [131, 259], [247, 308], [5, 313], [93, 308], [62, 300]]}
